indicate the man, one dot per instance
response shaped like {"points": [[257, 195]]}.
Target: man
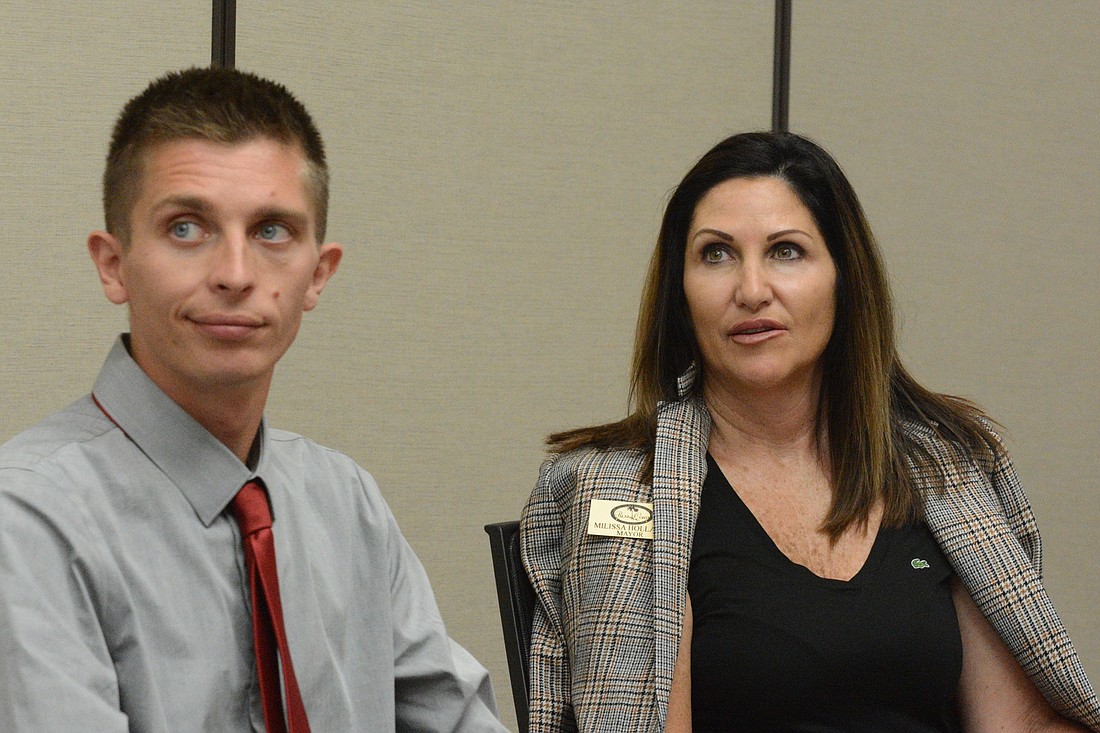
{"points": [[138, 582]]}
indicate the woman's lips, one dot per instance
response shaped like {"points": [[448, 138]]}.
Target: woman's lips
{"points": [[756, 331]]}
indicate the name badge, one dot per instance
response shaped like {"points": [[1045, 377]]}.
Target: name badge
{"points": [[621, 519]]}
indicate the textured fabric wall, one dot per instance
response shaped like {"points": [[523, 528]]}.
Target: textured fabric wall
{"points": [[972, 132], [65, 70]]}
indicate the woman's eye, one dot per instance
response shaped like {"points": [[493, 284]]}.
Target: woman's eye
{"points": [[713, 253], [787, 252], [187, 231], [273, 233]]}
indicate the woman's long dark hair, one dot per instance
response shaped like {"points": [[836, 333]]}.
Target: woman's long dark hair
{"points": [[866, 393]]}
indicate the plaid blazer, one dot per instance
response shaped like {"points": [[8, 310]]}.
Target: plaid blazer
{"points": [[608, 617]]}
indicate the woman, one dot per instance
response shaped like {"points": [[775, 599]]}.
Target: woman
{"points": [[832, 546]]}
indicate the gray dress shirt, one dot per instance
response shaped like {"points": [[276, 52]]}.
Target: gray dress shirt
{"points": [[124, 603]]}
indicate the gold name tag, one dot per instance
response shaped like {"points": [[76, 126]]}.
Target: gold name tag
{"points": [[621, 519]]}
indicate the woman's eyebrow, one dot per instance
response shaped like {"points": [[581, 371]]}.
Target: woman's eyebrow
{"points": [[716, 232], [785, 232]]}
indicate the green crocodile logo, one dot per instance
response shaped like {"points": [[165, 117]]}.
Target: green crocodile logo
{"points": [[919, 564]]}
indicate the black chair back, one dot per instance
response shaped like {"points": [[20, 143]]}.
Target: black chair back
{"points": [[517, 606]]}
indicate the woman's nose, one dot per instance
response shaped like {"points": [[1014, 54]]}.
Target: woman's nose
{"points": [[753, 290]]}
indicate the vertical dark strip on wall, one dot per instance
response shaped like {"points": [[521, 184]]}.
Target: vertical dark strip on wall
{"points": [[223, 34], [781, 70]]}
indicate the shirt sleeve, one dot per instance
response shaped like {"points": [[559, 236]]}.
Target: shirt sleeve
{"points": [[437, 684], [56, 673]]}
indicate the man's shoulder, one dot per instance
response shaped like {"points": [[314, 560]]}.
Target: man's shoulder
{"points": [[53, 471], [288, 444], [302, 459], [46, 443]]}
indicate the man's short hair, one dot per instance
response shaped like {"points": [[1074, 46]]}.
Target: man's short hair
{"points": [[214, 104]]}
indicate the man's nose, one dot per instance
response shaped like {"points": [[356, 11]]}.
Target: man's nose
{"points": [[233, 268]]}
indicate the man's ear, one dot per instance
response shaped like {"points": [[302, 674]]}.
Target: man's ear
{"points": [[326, 266], [106, 252]]}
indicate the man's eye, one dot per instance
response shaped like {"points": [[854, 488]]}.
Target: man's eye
{"points": [[273, 233], [187, 231]]}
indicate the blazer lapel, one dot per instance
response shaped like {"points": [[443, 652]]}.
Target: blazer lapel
{"points": [[679, 467]]}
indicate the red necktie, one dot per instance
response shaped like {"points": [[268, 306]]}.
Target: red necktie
{"points": [[251, 510]]}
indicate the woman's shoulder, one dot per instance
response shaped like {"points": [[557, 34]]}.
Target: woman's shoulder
{"points": [[587, 469], [938, 444], [569, 481], [916, 426], [595, 461]]}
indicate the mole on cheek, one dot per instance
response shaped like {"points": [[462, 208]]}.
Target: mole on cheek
{"points": [[276, 295]]}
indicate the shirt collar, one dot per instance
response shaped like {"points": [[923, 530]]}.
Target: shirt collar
{"points": [[205, 471]]}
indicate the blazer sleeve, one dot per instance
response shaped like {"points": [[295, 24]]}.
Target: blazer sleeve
{"points": [[542, 533], [986, 527], [1062, 679]]}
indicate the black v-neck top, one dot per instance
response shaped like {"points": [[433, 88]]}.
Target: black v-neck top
{"points": [[777, 648]]}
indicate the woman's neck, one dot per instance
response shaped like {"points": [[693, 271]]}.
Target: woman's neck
{"points": [[775, 422]]}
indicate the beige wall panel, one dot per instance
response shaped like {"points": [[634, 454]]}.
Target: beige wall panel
{"points": [[972, 132], [499, 173], [65, 71]]}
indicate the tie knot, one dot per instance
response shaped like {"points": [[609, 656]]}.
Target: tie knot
{"points": [[250, 508]]}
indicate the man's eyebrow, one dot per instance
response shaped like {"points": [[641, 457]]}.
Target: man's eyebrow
{"points": [[293, 216], [194, 203]]}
